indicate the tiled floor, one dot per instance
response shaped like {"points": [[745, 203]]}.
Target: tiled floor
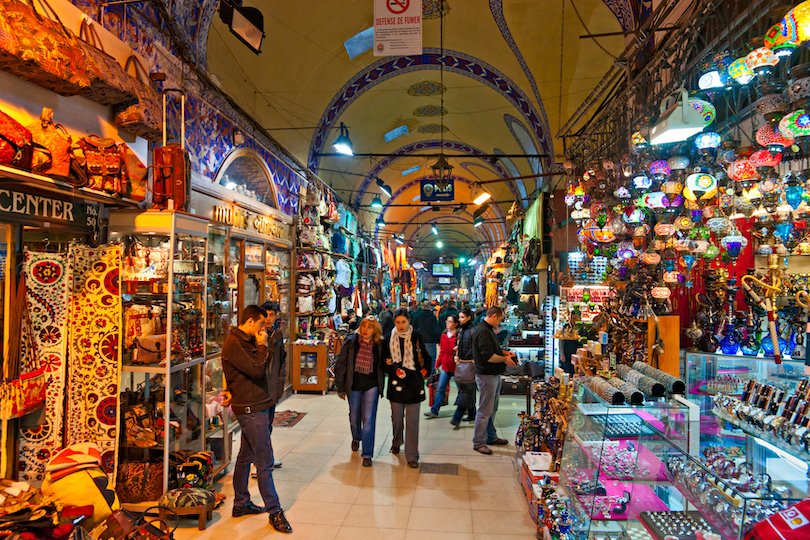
{"points": [[328, 495]]}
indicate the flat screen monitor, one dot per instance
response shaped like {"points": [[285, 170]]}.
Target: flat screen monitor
{"points": [[442, 269], [444, 281]]}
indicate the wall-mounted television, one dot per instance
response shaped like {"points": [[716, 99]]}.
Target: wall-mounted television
{"points": [[445, 281], [442, 270]]}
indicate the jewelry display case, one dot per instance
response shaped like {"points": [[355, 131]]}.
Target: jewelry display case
{"points": [[629, 469], [163, 389]]}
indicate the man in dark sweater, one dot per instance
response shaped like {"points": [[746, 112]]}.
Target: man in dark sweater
{"points": [[424, 322], [490, 364], [252, 381]]}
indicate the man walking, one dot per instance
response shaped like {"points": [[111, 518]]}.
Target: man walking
{"points": [[446, 312], [250, 373], [490, 364], [425, 322], [386, 319]]}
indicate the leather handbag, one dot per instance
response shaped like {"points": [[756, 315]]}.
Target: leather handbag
{"points": [[465, 372], [16, 144], [172, 168], [141, 115], [40, 49], [150, 349], [137, 175], [104, 164], [109, 83], [139, 481], [60, 160]]}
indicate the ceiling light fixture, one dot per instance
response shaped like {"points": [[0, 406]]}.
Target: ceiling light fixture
{"points": [[439, 244], [399, 239], [459, 209], [479, 195], [480, 210], [385, 188], [343, 144], [380, 222], [434, 229], [477, 222], [376, 203], [678, 122], [246, 23]]}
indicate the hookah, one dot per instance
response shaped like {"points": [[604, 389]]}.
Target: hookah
{"points": [[767, 301]]}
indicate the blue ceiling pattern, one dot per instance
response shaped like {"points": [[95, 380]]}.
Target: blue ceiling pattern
{"points": [[454, 62]]}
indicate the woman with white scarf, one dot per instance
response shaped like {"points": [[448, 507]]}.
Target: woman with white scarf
{"points": [[407, 364]]}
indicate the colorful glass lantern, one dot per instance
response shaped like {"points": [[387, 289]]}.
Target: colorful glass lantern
{"points": [[781, 38], [678, 163], [700, 187], [761, 61], [773, 104], [795, 124], [655, 200], [660, 169], [642, 181], [772, 139], [800, 18], [638, 141], [740, 71], [734, 243], [708, 141], [633, 215], [672, 188], [623, 193], [763, 159], [742, 170], [706, 110], [794, 192]]}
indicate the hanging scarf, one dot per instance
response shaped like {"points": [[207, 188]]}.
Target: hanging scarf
{"points": [[406, 357]]}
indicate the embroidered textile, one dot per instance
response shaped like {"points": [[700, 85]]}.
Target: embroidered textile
{"points": [[46, 281], [94, 354]]}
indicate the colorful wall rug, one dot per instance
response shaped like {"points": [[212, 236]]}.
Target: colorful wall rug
{"points": [[94, 357], [46, 282]]}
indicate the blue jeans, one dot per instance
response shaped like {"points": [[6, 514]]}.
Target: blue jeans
{"points": [[257, 448], [363, 418], [441, 388]]}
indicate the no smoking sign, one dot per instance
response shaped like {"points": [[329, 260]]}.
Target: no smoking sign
{"points": [[398, 7]]}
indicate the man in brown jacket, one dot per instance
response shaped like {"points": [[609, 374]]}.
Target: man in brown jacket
{"points": [[249, 372]]}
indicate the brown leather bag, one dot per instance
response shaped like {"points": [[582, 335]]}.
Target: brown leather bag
{"points": [[40, 49], [139, 481], [140, 115], [109, 82], [104, 163], [150, 349]]}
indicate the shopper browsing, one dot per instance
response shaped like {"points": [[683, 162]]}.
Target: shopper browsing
{"points": [[359, 376], [248, 366], [406, 363], [275, 342], [465, 400], [490, 364], [445, 363]]}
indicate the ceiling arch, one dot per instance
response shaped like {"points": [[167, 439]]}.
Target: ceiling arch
{"points": [[486, 233], [431, 59]]}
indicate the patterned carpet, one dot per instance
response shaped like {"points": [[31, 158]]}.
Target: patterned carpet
{"points": [[287, 418]]}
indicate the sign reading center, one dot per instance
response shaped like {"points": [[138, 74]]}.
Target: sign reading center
{"points": [[397, 27]]}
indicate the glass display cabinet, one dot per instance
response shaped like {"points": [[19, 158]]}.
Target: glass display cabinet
{"points": [[626, 470], [163, 388], [309, 368]]}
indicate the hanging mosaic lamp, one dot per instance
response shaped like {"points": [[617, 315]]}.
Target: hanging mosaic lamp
{"points": [[772, 139], [781, 38], [660, 169], [642, 181], [796, 125], [623, 194], [772, 104], [700, 187], [742, 171], [763, 160], [678, 163], [706, 110], [761, 61], [639, 142], [708, 142], [740, 72], [794, 192], [734, 242], [799, 18]]}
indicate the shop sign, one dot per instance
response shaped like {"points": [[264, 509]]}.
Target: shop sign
{"points": [[48, 209], [437, 190], [242, 219], [397, 27]]}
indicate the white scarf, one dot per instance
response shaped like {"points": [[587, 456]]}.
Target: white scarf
{"points": [[407, 360]]}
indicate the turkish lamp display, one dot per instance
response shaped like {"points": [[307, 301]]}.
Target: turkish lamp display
{"points": [[479, 195], [734, 242], [677, 122], [782, 38], [740, 72], [376, 203], [343, 144], [761, 61]]}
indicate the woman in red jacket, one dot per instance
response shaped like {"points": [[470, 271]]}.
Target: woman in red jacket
{"points": [[446, 361]]}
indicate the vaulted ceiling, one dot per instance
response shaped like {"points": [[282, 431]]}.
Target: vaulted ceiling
{"points": [[513, 71]]}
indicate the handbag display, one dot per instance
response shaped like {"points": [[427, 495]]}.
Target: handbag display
{"points": [[16, 144], [172, 168], [465, 372], [104, 164], [41, 50], [139, 481], [150, 349], [109, 83], [137, 175], [60, 161], [140, 116]]}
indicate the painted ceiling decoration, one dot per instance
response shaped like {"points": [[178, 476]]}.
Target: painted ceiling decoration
{"points": [[420, 146], [426, 89], [430, 110], [453, 62]]}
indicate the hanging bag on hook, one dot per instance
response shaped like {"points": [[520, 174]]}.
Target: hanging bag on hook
{"points": [[172, 168]]}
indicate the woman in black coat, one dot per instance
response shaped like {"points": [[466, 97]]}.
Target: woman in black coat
{"points": [[359, 376], [407, 364]]}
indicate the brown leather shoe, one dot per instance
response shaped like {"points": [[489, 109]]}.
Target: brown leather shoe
{"points": [[395, 450], [499, 442], [280, 523], [355, 446], [486, 450]]}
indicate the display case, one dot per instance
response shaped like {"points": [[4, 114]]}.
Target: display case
{"points": [[163, 388], [309, 368], [627, 470]]}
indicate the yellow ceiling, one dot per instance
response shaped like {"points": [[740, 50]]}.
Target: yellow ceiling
{"points": [[304, 64]]}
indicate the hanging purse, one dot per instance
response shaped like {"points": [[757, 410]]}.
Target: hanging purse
{"points": [[104, 164], [140, 116], [150, 349], [16, 144]]}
